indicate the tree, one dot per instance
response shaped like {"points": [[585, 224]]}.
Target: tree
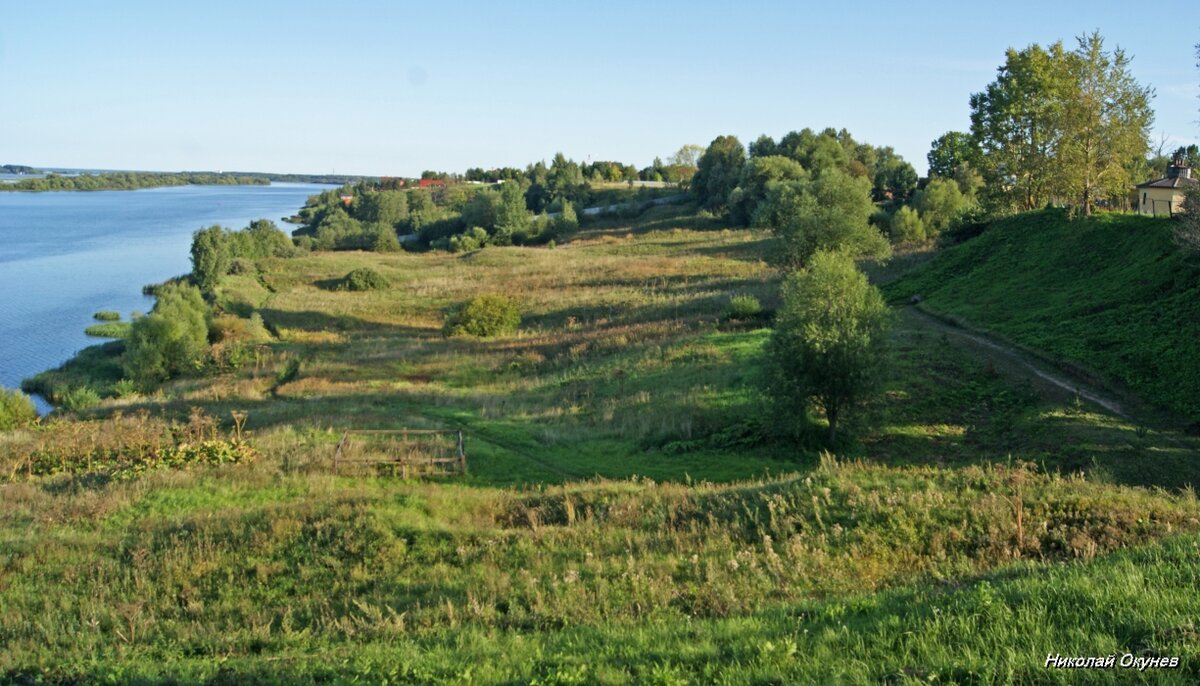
{"points": [[831, 212], [210, 257], [894, 178], [16, 409], [687, 155], [171, 339], [718, 172], [939, 203], [511, 212], [388, 207], [948, 151], [907, 226], [1105, 123], [828, 343], [757, 175], [1016, 123]]}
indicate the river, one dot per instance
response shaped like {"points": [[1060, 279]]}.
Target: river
{"points": [[66, 255]]}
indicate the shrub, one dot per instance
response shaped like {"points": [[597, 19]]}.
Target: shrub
{"points": [[744, 306], [483, 317], [473, 239], [16, 410], [106, 316], [125, 388], [170, 340], [241, 265], [363, 279], [907, 226], [80, 398]]}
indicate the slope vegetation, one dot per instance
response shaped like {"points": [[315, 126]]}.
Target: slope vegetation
{"points": [[1111, 295]]}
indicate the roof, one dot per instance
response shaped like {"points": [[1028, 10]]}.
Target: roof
{"points": [[1170, 182]]}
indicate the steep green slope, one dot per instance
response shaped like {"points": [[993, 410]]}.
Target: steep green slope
{"points": [[1111, 294]]}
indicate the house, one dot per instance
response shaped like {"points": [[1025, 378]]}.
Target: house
{"points": [[1165, 196], [426, 183]]}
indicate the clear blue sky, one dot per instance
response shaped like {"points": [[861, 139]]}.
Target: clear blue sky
{"points": [[375, 87]]}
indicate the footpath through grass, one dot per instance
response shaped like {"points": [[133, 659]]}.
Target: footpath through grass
{"points": [[1111, 294]]}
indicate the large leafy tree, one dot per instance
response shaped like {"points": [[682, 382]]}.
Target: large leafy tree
{"points": [[757, 176], [828, 342], [1105, 123], [948, 152], [210, 257], [718, 172], [1016, 122], [171, 339], [830, 212]]}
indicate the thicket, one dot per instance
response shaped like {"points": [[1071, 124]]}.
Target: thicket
{"points": [[363, 279], [484, 316], [16, 409], [171, 340]]}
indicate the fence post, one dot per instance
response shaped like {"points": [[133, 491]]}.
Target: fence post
{"points": [[462, 454]]}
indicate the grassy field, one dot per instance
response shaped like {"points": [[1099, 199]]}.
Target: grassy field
{"points": [[630, 515], [1110, 294]]}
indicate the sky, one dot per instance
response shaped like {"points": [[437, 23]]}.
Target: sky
{"points": [[391, 88]]}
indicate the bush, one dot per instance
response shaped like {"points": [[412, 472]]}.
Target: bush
{"points": [[171, 340], [744, 306], [907, 226], [473, 239], [241, 265], [484, 316], [363, 279], [107, 316], [125, 388], [16, 410], [81, 398]]}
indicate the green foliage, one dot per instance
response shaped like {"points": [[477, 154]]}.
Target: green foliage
{"points": [[907, 226], [744, 306], [757, 176], [169, 341], [718, 173], [210, 257], [828, 342], [259, 240], [79, 399], [1112, 294], [364, 279], [108, 330], [1058, 125], [940, 203], [484, 316], [474, 239], [16, 410], [950, 151], [122, 181], [831, 212], [107, 316]]}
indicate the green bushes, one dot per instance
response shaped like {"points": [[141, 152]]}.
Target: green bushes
{"points": [[363, 279], [217, 251], [744, 306], [107, 316], [169, 341], [484, 316], [16, 409], [79, 399]]}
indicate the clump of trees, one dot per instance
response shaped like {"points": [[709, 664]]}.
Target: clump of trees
{"points": [[171, 340], [122, 181], [1061, 125], [215, 249]]}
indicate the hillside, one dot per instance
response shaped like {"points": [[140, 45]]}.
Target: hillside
{"points": [[1110, 294], [630, 515]]}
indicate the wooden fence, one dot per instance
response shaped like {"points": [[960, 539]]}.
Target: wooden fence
{"points": [[408, 452]]}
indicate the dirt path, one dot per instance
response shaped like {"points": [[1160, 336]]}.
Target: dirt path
{"points": [[1023, 362]]}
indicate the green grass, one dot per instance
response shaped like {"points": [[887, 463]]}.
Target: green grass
{"points": [[1111, 294], [629, 515], [108, 330]]}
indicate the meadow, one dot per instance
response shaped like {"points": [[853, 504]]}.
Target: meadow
{"points": [[631, 512]]}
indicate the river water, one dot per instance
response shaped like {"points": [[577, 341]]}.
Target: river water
{"points": [[66, 255]]}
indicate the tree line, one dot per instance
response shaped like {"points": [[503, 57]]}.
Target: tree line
{"points": [[124, 181]]}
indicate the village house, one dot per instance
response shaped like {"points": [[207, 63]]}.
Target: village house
{"points": [[1165, 196]]}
